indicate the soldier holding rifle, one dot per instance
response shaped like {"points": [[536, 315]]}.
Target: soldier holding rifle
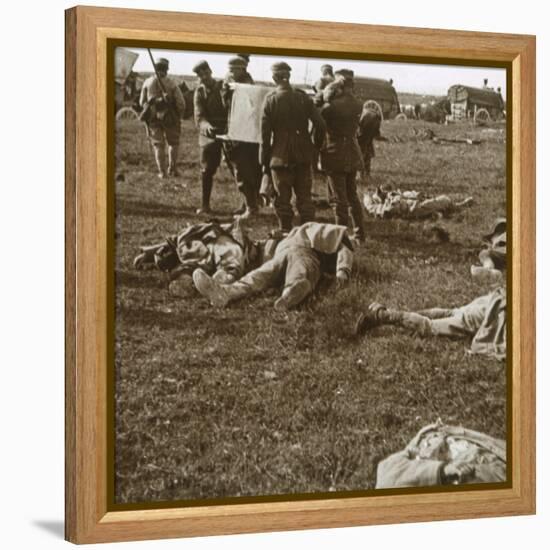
{"points": [[163, 106]]}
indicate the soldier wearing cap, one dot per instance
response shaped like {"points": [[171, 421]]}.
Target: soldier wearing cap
{"points": [[163, 106], [211, 120], [247, 79], [327, 76], [286, 148], [243, 156], [369, 130], [341, 156]]}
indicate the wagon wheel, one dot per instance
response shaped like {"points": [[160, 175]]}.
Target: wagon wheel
{"points": [[482, 117], [126, 113], [401, 117], [371, 104]]}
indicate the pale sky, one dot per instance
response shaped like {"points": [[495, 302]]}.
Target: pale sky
{"points": [[407, 77]]}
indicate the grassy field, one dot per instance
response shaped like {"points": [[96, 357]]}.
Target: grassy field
{"points": [[246, 401]]}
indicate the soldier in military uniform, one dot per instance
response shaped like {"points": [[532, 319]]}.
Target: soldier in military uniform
{"points": [[369, 130], [247, 77], [327, 77], [243, 156], [341, 156], [211, 120], [163, 106], [286, 148]]}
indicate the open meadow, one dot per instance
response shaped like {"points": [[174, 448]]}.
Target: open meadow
{"points": [[246, 401]]}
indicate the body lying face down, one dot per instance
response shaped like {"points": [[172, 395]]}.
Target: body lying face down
{"points": [[297, 262]]}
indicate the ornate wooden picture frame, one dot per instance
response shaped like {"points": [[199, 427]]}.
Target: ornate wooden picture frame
{"points": [[90, 34]]}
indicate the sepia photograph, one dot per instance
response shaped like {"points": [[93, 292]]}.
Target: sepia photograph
{"points": [[310, 273]]}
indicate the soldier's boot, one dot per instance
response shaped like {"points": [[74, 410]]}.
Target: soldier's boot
{"points": [[250, 204], [160, 159], [207, 181], [293, 295], [173, 160], [375, 315], [218, 295]]}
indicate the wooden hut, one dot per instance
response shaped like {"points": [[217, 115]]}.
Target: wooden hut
{"points": [[477, 103], [380, 92]]}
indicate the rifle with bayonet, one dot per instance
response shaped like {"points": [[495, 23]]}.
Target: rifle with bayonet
{"points": [[158, 108]]}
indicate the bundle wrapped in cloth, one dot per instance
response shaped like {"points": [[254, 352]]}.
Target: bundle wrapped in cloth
{"points": [[440, 454]]}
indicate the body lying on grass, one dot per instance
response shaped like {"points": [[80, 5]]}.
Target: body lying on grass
{"points": [[484, 319], [222, 250], [297, 261], [444, 455], [410, 204], [493, 255]]}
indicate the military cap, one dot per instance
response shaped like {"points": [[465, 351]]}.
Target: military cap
{"points": [[200, 66], [326, 66], [162, 62], [346, 74], [237, 62], [281, 67], [245, 56]]}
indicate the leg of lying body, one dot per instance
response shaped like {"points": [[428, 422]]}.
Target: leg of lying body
{"points": [[473, 314], [265, 276], [436, 312], [260, 279], [423, 325], [301, 277]]}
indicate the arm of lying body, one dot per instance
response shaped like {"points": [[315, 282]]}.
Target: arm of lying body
{"points": [[344, 263]]}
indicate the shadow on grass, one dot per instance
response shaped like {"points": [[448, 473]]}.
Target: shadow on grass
{"points": [[141, 279], [148, 209]]}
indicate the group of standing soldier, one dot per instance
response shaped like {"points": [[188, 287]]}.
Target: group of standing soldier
{"points": [[296, 131]]}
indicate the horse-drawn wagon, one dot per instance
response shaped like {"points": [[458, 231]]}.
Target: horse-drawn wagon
{"points": [[127, 85], [482, 105], [379, 94]]}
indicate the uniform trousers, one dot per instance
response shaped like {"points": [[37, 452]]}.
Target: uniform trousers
{"points": [[287, 179]]}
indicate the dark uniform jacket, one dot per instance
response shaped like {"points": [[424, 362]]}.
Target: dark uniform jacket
{"points": [[369, 127], [284, 128], [209, 108], [341, 152]]}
